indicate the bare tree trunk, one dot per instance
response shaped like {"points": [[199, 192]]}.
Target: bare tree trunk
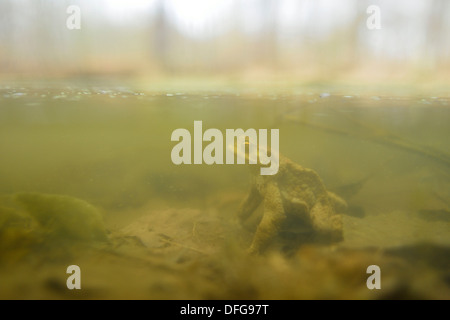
{"points": [[161, 37], [436, 36], [6, 30], [267, 46], [354, 33]]}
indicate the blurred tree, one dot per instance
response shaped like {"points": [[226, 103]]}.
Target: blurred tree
{"points": [[355, 30], [267, 45], [309, 36], [437, 39], [161, 36], [6, 29]]}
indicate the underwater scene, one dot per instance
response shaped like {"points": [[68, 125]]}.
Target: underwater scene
{"points": [[87, 177], [139, 186]]}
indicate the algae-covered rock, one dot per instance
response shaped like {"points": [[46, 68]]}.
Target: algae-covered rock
{"points": [[19, 232], [12, 217], [63, 217]]}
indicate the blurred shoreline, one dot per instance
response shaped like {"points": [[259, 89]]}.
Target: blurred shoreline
{"points": [[248, 84]]}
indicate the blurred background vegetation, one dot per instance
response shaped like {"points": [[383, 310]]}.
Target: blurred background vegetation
{"points": [[306, 40]]}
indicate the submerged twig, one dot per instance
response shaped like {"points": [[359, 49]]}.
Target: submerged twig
{"points": [[390, 140], [182, 245]]}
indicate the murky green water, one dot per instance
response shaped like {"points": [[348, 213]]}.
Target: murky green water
{"points": [[387, 156]]}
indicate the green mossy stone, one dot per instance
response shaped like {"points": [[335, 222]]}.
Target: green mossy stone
{"points": [[63, 217], [19, 233]]}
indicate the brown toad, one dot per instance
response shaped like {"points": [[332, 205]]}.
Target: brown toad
{"points": [[295, 194]]}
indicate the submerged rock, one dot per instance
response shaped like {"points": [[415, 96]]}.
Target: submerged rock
{"points": [[64, 217], [18, 234]]}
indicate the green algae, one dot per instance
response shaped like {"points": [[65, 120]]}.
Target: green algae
{"points": [[63, 216]]}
